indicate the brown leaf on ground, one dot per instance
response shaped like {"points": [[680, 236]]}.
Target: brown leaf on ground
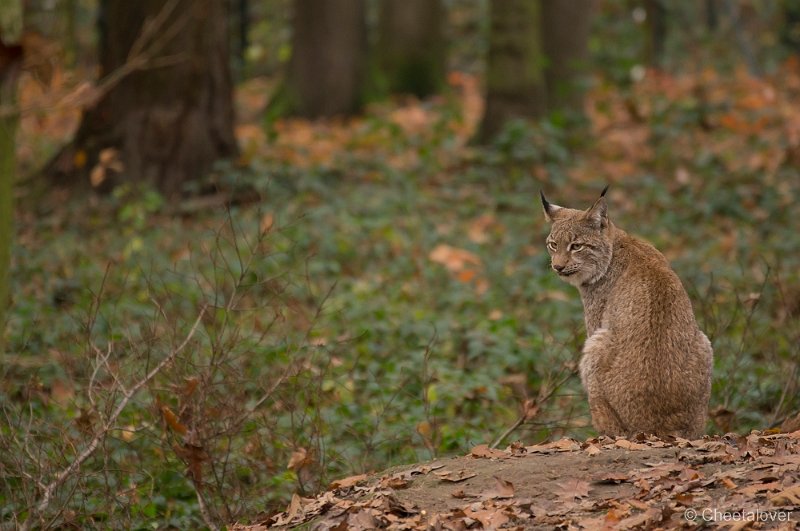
{"points": [[490, 518], [573, 488], [483, 451], [790, 496], [648, 489], [348, 481], [611, 477], [628, 445], [646, 518], [453, 258], [395, 482], [561, 445], [593, 449], [454, 477], [502, 489]]}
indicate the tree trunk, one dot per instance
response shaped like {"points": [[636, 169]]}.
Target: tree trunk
{"points": [[411, 54], [514, 79], [327, 67], [657, 32], [565, 27], [10, 65], [172, 118], [790, 27]]}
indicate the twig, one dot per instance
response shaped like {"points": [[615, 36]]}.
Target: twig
{"points": [[203, 508], [530, 408], [155, 35], [103, 432]]}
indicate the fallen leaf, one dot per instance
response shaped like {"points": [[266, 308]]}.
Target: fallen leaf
{"points": [[611, 477], [483, 450], [628, 445], [395, 482], [478, 228], [97, 175], [502, 489], [639, 520], [573, 488], [348, 481], [561, 445], [790, 496], [454, 477], [454, 259], [62, 392], [593, 450], [752, 490], [490, 518]]}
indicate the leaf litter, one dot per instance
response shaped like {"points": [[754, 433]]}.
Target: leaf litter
{"points": [[601, 483]]}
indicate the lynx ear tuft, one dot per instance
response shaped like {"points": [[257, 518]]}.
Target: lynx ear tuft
{"points": [[550, 210], [603, 193]]}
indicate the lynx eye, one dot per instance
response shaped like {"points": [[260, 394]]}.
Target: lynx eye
{"points": [[575, 246], [552, 245]]}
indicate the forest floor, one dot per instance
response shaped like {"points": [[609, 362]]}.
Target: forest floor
{"points": [[750, 482]]}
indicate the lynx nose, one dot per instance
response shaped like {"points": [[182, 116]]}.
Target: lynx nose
{"points": [[558, 267]]}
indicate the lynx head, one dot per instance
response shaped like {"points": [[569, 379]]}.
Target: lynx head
{"points": [[580, 241]]}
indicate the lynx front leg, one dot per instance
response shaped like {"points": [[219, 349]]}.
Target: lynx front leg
{"points": [[604, 418], [596, 352]]}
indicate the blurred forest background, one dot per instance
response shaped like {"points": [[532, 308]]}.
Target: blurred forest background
{"points": [[251, 246]]}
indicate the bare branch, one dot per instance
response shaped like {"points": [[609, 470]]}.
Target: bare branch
{"points": [[102, 433]]}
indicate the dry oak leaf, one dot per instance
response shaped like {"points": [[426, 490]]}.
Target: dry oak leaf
{"points": [[611, 477], [638, 521], [502, 489], [295, 507], [483, 450], [395, 482], [454, 477], [348, 481], [790, 496], [593, 450], [479, 227], [628, 445], [573, 488], [454, 259], [561, 445], [490, 518]]}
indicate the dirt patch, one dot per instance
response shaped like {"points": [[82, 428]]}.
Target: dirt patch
{"points": [[742, 482]]}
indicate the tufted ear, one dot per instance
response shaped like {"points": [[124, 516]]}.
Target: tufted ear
{"points": [[597, 216], [550, 210]]}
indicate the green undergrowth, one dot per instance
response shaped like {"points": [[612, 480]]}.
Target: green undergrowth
{"points": [[356, 323]]}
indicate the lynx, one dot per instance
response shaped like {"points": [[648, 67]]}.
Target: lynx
{"points": [[646, 366]]}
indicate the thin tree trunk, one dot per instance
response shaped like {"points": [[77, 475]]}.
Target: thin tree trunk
{"points": [[565, 26], [411, 53], [172, 118], [790, 26], [515, 82], [657, 31], [10, 64], [10, 67], [327, 67]]}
